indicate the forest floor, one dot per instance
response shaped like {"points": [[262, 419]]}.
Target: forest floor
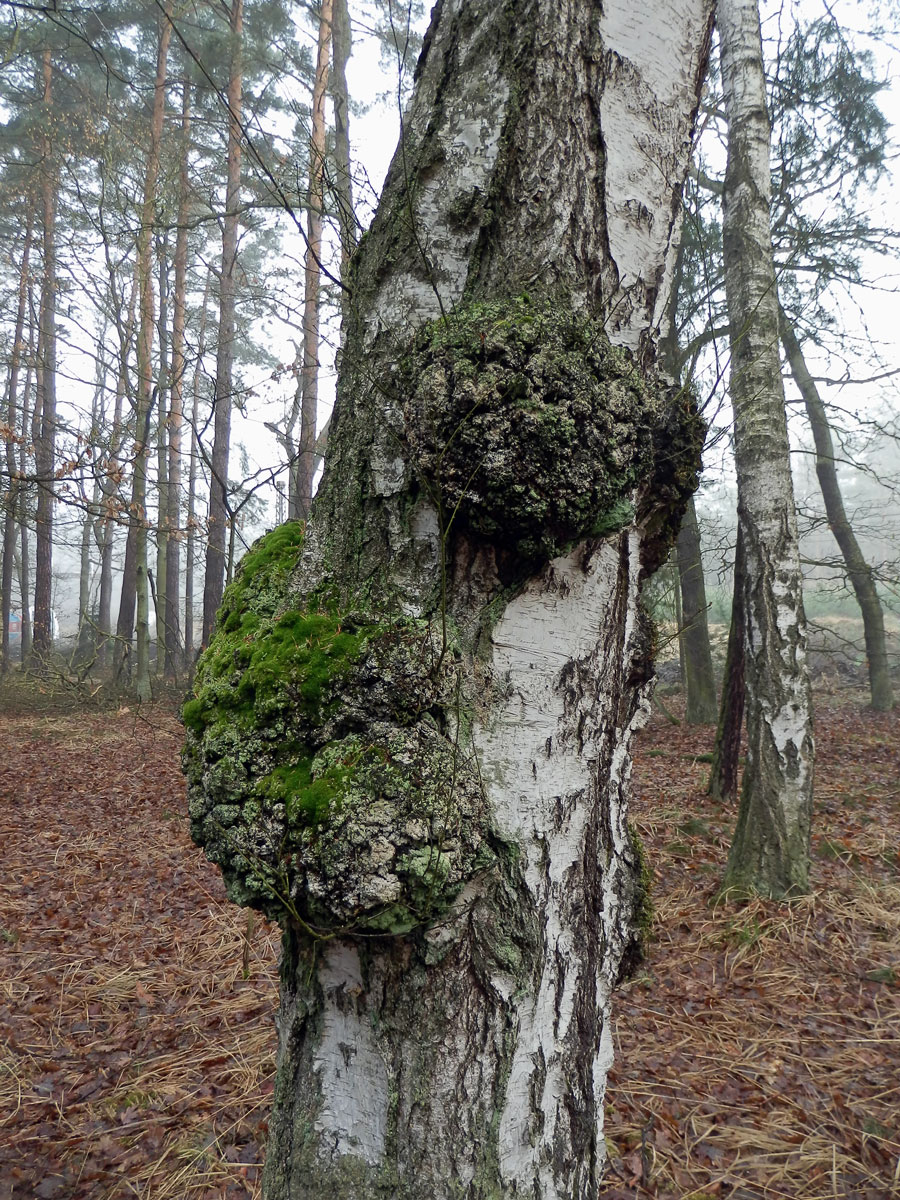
{"points": [[758, 1049]]}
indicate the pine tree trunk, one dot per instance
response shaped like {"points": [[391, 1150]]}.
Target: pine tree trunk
{"points": [[699, 678], [214, 579], [162, 448], [194, 463], [770, 851], [465, 1055], [12, 393], [189, 550], [25, 588], [45, 446], [723, 775], [173, 661], [858, 570], [22, 561]]}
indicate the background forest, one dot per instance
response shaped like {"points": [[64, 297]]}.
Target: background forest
{"points": [[182, 187], [178, 204]]}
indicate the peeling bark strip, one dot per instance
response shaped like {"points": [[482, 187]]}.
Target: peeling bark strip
{"points": [[770, 852], [412, 745]]}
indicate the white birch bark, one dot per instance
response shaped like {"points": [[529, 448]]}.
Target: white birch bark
{"points": [[770, 852]]}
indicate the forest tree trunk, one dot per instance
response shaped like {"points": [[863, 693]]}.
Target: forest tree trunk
{"points": [[145, 388], [858, 570], [723, 774], [115, 653], [45, 446], [173, 657], [223, 396], [770, 851], [693, 631], [22, 560], [342, 39], [12, 393], [162, 446], [303, 470], [497, 487], [193, 469]]}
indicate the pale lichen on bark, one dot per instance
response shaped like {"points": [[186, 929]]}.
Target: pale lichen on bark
{"points": [[461, 1049]]}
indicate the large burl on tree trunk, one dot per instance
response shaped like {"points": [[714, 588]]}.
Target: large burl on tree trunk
{"points": [[409, 739]]}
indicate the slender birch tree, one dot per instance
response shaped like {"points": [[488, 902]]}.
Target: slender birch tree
{"points": [[770, 851], [409, 740]]}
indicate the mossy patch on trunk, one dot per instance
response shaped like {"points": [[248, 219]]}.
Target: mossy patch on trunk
{"points": [[525, 424], [326, 775]]}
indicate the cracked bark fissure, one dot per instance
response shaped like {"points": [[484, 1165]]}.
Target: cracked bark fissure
{"points": [[543, 152], [770, 851]]}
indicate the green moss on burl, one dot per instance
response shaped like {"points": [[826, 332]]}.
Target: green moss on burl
{"points": [[321, 778], [641, 902], [644, 911], [677, 445], [526, 425]]}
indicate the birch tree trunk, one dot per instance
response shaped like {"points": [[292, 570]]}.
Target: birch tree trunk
{"points": [[858, 570], [770, 851], [223, 396], [429, 790]]}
